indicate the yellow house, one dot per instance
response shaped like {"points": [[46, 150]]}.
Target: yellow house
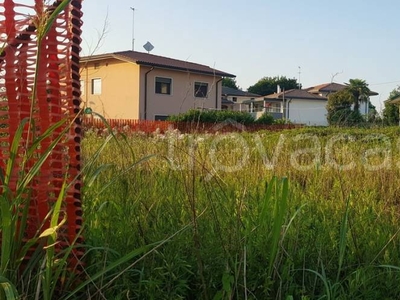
{"points": [[136, 85]]}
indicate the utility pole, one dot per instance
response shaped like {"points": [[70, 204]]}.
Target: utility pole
{"points": [[133, 28]]}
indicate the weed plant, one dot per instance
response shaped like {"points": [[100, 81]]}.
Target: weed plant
{"points": [[302, 229], [213, 216]]}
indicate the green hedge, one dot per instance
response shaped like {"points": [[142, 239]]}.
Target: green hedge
{"points": [[265, 118], [213, 116], [216, 116]]}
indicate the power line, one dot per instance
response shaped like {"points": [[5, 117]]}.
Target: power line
{"points": [[382, 83]]}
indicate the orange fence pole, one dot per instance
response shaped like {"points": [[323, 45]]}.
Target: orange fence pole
{"points": [[51, 68]]}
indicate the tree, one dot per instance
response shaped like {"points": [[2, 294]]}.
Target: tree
{"points": [[373, 115], [391, 111], [266, 118], [268, 85], [339, 107], [230, 82], [360, 90]]}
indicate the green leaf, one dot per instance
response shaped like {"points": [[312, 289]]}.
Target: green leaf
{"points": [[9, 290], [14, 151], [54, 15], [6, 233], [227, 280], [112, 266], [48, 232]]}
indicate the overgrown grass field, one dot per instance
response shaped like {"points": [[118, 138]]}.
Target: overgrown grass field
{"points": [[299, 214]]}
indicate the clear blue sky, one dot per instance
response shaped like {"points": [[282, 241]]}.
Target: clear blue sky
{"points": [[257, 38]]}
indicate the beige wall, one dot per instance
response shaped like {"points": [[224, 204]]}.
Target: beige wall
{"points": [[182, 92], [119, 95], [123, 90]]}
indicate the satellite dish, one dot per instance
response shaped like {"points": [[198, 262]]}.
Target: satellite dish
{"points": [[148, 47]]}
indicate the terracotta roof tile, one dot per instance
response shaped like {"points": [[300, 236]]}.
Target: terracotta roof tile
{"points": [[234, 92], [330, 88], [296, 94], [326, 87], [147, 59]]}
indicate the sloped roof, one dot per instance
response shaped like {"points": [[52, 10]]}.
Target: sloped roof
{"points": [[226, 101], [228, 91], [331, 87], [146, 59], [394, 100], [295, 94], [326, 87]]}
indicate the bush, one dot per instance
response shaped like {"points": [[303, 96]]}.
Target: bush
{"points": [[213, 116], [345, 117], [266, 118], [282, 121]]}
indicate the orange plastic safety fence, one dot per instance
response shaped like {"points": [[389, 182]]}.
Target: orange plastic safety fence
{"points": [[39, 79]]}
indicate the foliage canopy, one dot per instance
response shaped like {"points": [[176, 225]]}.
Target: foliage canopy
{"points": [[268, 85], [230, 82], [391, 111]]}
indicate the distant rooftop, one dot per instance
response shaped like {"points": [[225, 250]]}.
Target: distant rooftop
{"points": [[228, 91], [146, 59], [295, 94], [331, 87], [226, 101], [395, 100], [326, 88]]}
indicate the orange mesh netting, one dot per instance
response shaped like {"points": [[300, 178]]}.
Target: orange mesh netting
{"points": [[53, 67]]}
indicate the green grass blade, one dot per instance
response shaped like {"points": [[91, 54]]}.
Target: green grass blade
{"points": [[266, 207], [38, 164], [124, 172], [95, 156], [47, 134], [6, 234], [397, 268], [324, 281], [9, 290], [14, 151], [110, 130], [50, 281], [91, 178], [109, 268], [343, 239], [280, 210], [54, 15]]}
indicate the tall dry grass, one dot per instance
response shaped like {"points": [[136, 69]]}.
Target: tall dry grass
{"points": [[249, 233]]}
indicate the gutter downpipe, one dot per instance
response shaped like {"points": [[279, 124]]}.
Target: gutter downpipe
{"points": [[288, 107], [216, 93], [284, 105], [145, 92]]}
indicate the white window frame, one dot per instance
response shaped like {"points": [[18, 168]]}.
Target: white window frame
{"points": [[96, 91], [82, 83], [170, 88]]}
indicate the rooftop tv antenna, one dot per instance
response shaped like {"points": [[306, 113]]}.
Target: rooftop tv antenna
{"points": [[334, 75], [299, 78], [148, 47], [133, 28]]}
